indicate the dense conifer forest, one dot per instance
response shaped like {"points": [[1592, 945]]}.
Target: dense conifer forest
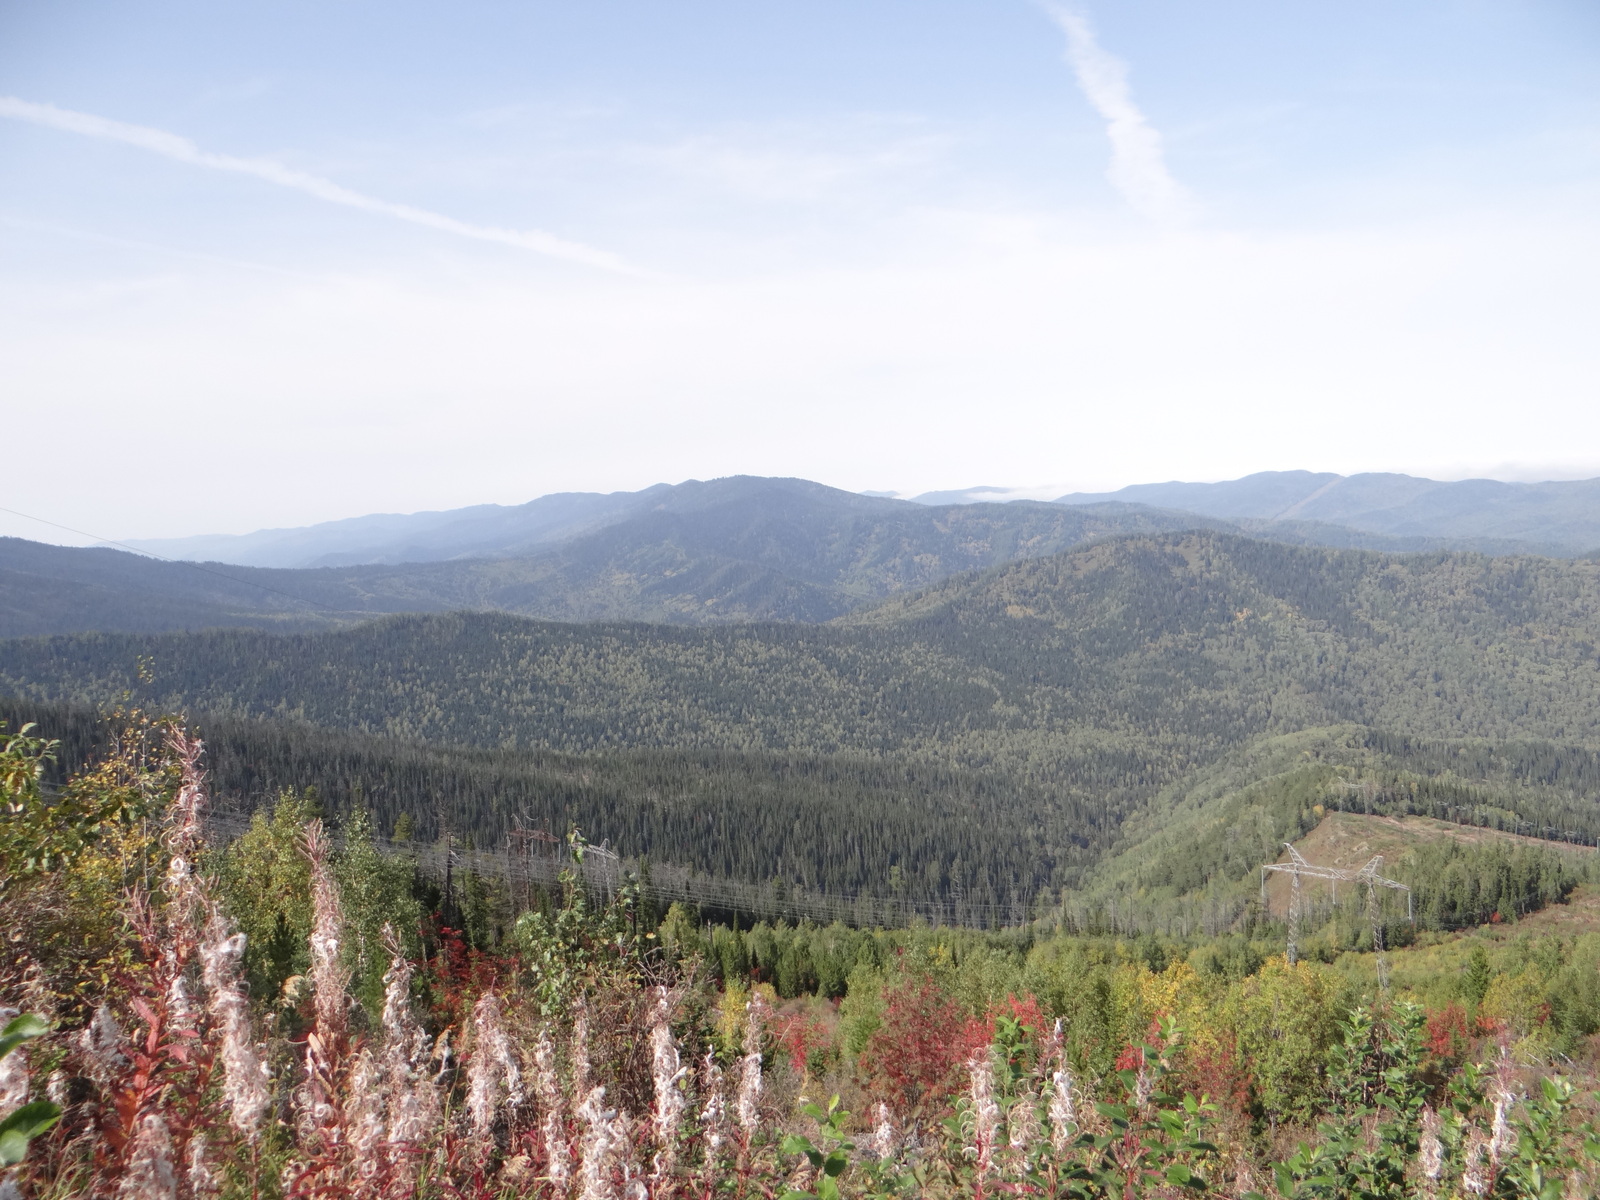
{"points": [[1149, 716]]}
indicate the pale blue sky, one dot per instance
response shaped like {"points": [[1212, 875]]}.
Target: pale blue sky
{"points": [[268, 264]]}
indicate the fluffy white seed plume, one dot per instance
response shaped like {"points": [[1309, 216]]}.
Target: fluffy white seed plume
{"points": [[1022, 1123], [317, 1099], [413, 1097], [101, 1044], [246, 1090], [203, 1181], [581, 1071], [445, 1056], [13, 1071], [365, 1112], [1142, 1083], [667, 1072], [553, 1120], [1475, 1178], [329, 978], [493, 1075], [884, 1141], [1063, 1111], [186, 817], [180, 1007], [747, 1103], [602, 1147], [985, 1109], [1502, 1138], [1430, 1154], [713, 1110], [185, 839], [149, 1174]]}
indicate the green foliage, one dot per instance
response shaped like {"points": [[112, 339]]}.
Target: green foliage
{"points": [[830, 1160], [1366, 1146], [266, 883], [44, 835], [376, 890], [565, 950], [29, 1121]]}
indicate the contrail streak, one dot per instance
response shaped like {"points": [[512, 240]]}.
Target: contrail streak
{"points": [[1138, 167], [171, 145]]}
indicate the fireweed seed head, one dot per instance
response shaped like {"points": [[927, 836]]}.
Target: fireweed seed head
{"points": [[985, 1110], [443, 1057], [1430, 1151], [747, 1101], [149, 1173], [667, 1072], [600, 1148], [102, 1044], [246, 1084], [13, 1072], [202, 1179], [1475, 1178], [328, 975], [493, 1073], [1063, 1111], [884, 1143], [713, 1109], [1022, 1123], [1502, 1138], [366, 1110]]}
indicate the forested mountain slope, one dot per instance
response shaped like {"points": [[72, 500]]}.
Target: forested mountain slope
{"points": [[728, 550], [1105, 671]]}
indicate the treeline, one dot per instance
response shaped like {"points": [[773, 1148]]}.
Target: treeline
{"points": [[840, 824], [847, 825]]}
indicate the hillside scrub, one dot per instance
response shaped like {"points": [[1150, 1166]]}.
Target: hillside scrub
{"points": [[581, 1048]]}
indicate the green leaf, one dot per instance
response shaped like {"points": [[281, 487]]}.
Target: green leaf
{"points": [[1284, 1179], [20, 1127], [835, 1164], [22, 1029], [1179, 1173]]}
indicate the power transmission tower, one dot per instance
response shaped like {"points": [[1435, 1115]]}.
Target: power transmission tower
{"points": [[1368, 875]]}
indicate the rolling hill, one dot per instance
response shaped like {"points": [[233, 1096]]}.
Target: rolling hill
{"points": [[1120, 692], [736, 549], [730, 550]]}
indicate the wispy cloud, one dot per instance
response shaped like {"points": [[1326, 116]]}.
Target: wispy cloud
{"points": [[171, 145], [1138, 166]]}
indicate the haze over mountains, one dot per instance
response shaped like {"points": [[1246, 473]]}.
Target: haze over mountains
{"points": [[1555, 517], [736, 549]]}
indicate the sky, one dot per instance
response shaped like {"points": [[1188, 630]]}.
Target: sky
{"points": [[265, 265]]}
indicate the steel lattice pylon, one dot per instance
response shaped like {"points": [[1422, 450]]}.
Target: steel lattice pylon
{"points": [[1366, 874]]}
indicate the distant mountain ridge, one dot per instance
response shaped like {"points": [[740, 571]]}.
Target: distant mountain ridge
{"points": [[737, 549], [1562, 515], [482, 530], [743, 548], [1556, 517]]}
